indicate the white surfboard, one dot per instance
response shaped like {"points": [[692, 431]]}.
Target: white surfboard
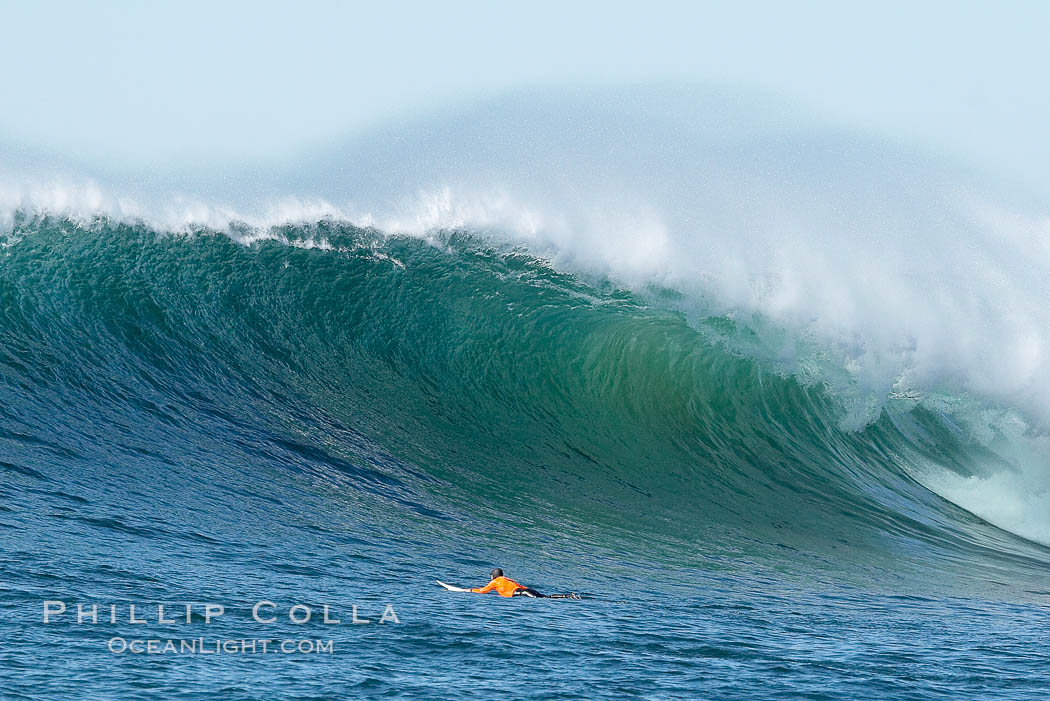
{"points": [[450, 587]]}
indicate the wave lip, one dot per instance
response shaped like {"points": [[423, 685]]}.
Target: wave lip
{"points": [[914, 274]]}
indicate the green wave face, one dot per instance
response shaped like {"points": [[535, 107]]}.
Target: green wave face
{"points": [[453, 384]]}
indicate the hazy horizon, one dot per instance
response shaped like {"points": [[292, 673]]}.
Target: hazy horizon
{"points": [[164, 87]]}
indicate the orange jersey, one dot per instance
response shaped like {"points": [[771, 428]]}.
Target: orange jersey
{"points": [[504, 586]]}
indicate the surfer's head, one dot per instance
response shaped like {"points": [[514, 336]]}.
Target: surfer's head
{"points": [[497, 572]]}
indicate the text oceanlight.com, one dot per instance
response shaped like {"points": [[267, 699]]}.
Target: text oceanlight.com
{"points": [[201, 646]]}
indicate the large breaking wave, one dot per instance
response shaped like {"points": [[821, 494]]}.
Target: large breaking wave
{"points": [[660, 313]]}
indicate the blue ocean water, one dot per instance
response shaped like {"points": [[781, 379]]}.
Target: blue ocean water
{"points": [[190, 419]]}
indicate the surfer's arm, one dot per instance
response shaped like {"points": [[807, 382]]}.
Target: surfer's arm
{"points": [[485, 589]]}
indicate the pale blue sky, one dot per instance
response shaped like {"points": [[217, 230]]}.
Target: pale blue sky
{"points": [[141, 83]]}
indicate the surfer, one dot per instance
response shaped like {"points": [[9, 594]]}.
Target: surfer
{"points": [[505, 586]]}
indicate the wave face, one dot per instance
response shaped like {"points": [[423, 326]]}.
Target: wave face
{"points": [[455, 379]]}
